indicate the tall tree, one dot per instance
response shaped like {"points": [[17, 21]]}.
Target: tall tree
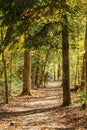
{"points": [[65, 59], [84, 70], [5, 70], [27, 74]]}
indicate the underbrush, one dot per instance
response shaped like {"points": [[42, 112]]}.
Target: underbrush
{"points": [[81, 99]]}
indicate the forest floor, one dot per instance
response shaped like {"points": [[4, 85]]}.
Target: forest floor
{"points": [[42, 111]]}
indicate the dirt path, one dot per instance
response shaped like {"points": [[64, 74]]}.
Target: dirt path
{"points": [[42, 112]]}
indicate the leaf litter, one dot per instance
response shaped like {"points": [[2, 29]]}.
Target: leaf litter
{"points": [[42, 112]]}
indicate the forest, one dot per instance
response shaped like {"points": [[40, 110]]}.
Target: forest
{"points": [[43, 64]]}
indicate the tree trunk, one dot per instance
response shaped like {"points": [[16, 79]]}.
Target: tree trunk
{"points": [[54, 72], [5, 72], [42, 78], [77, 78], [27, 74], [65, 62], [59, 72], [10, 73], [37, 75], [5, 77], [84, 69], [83, 73]]}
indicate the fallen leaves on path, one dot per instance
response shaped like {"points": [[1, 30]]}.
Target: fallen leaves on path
{"points": [[42, 112]]}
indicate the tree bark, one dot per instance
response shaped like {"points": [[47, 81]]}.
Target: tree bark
{"points": [[27, 74], [58, 72], [42, 78], [5, 77], [37, 75], [54, 72], [77, 78], [84, 69], [5, 72], [65, 62], [10, 73]]}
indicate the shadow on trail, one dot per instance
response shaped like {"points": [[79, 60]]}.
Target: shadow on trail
{"points": [[27, 112], [51, 87]]}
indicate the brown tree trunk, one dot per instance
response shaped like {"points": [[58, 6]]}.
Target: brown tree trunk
{"points": [[27, 74], [59, 71], [41, 81], [5, 72], [37, 75], [83, 73], [43, 67], [54, 72], [84, 69], [65, 61], [77, 78], [10, 73], [5, 77]]}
